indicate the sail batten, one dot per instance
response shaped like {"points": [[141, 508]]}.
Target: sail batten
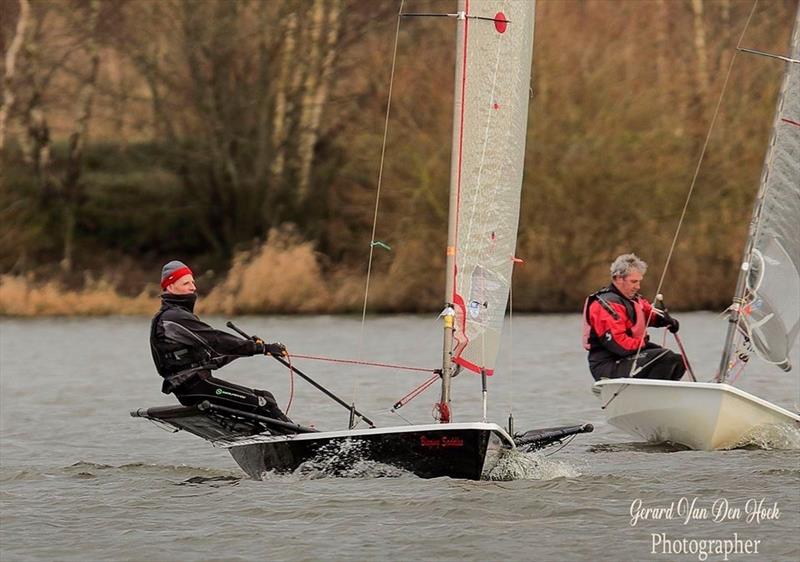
{"points": [[487, 177]]}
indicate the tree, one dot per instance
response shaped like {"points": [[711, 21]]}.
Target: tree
{"points": [[9, 75], [72, 187]]}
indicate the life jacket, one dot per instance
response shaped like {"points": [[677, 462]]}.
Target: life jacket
{"points": [[605, 296], [176, 354], [639, 327]]}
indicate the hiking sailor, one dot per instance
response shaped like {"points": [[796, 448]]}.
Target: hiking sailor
{"points": [[186, 350], [615, 321]]}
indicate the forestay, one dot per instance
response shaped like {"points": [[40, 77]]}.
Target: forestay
{"points": [[489, 154], [772, 316]]}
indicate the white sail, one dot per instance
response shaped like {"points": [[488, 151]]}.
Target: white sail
{"points": [[489, 153], [772, 313]]}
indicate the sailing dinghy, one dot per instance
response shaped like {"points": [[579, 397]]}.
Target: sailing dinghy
{"points": [[494, 46], [764, 318]]}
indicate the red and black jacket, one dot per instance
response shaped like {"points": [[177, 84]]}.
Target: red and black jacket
{"points": [[615, 326]]}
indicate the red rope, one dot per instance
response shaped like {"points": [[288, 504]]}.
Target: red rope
{"points": [[739, 372], [415, 392], [366, 363], [685, 357], [291, 383], [404, 400], [441, 412]]}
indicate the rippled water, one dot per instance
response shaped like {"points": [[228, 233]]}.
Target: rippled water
{"points": [[81, 480]]}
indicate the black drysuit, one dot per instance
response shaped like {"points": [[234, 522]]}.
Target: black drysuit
{"points": [[186, 350]]}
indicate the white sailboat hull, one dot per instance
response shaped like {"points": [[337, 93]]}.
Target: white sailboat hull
{"points": [[702, 416]]}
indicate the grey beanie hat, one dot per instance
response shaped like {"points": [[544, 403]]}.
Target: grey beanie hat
{"points": [[173, 271]]}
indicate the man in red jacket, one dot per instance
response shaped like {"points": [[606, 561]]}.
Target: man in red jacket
{"points": [[615, 328]]}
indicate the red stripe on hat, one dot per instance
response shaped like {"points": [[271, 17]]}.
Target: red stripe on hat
{"points": [[174, 276]]}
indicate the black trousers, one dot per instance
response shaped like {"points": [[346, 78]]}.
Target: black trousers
{"points": [[654, 362], [224, 393]]}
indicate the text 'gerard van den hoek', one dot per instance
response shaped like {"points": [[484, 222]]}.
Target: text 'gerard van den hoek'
{"points": [[751, 511]]}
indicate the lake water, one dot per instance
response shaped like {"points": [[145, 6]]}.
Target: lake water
{"points": [[82, 480]]}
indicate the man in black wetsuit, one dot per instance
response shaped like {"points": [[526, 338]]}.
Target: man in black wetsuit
{"points": [[186, 350]]}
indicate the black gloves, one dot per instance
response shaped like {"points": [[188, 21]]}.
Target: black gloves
{"points": [[672, 324], [277, 348], [669, 322]]}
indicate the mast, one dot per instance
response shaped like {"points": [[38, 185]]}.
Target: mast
{"points": [[455, 171], [758, 207]]}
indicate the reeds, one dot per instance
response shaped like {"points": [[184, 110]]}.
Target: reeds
{"points": [[22, 296], [282, 275]]}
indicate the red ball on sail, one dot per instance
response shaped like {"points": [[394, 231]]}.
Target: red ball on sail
{"points": [[500, 22]]}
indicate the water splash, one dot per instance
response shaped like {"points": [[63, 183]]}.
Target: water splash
{"points": [[516, 465], [770, 437], [346, 459]]}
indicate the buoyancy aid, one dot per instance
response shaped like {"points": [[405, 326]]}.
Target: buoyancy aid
{"points": [[177, 352], [174, 353], [634, 323], [588, 333], [640, 323]]}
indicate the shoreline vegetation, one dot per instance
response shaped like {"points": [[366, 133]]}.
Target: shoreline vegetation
{"points": [[245, 139], [278, 277], [282, 276]]}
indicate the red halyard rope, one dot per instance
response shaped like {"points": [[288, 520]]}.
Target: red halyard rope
{"points": [[364, 363]]}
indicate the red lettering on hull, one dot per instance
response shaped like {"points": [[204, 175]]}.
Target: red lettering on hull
{"points": [[443, 442]]}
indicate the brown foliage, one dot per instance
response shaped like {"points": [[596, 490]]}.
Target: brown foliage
{"points": [[237, 93], [20, 296], [282, 275]]}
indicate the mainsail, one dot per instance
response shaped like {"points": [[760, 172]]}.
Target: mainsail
{"points": [[490, 127], [771, 310]]}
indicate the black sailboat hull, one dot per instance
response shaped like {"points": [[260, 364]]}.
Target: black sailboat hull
{"points": [[464, 450], [261, 445]]}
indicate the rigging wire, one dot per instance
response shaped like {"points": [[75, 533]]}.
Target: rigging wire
{"points": [[401, 416], [380, 171], [696, 174], [372, 243]]}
